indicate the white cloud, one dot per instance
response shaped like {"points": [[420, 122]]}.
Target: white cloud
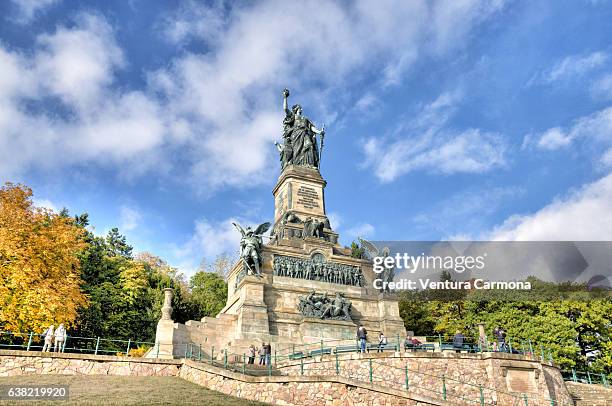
{"points": [[335, 220], [233, 91], [424, 143], [571, 67], [363, 230], [584, 215], [602, 87], [77, 64], [129, 218], [554, 138], [220, 108], [46, 204], [464, 215], [73, 68], [192, 20], [606, 159], [210, 239], [594, 128], [29, 8]]}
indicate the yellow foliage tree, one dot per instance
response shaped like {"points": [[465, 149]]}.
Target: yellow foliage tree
{"points": [[40, 280]]}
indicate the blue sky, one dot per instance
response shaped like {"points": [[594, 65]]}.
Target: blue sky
{"points": [[445, 119]]}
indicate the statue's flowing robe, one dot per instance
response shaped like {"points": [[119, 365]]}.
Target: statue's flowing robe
{"points": [[303, 140]]}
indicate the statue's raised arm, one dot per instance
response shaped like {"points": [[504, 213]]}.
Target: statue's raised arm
{"points": [[285, 103]]}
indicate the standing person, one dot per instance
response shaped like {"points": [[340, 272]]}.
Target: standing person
{"points": [[252, 352], [268, 353], [382, 342], [60, 337], [362, 335], [458, 339], [48, 334], [262, 354], [500, 337]]}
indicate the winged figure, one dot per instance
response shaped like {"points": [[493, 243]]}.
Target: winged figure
{"points": [[250, 247], [372, 250]]}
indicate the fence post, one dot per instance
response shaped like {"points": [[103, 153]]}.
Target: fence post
{"points": [[98, 346], [443, 387], [398, 342], [212, 355], [526, 400], [481, 395], [301, 365], [275, 358], [371, 372], [406, 376], [269, 368], [29, 341], [530, 347], [589, 377], [321, 348], [542, 351], [574, 378], [127, 351], [604, 380], [185, 350], [440, 341], [243, 364], [510, 345], [157, 353], [337, 365], [65, 342], [225, 359]]}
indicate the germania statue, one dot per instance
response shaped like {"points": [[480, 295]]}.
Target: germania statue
{"points": [[300, 145]]}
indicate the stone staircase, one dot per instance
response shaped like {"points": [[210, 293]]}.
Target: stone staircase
{"points": [[590, 395]]}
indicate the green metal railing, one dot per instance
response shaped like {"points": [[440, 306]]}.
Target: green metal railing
{"points": [[72, 344], [323, 358]]}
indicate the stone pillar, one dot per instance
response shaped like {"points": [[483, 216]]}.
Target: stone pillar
{"points": [[164, 335], [482, 336], [167, 307]]}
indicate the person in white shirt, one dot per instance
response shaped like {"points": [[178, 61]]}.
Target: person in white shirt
{"points": [[382, 342], [48, 334], [60, 337]]}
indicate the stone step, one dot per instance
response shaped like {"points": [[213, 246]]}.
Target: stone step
{"points": [[590, 395]]}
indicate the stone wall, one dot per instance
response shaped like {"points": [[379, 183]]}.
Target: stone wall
{"points": [[318, 382], [504, 378], [310, 390], [14, 363]]}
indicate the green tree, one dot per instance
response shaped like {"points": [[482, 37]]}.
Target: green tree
{"points": [[208, 293]]}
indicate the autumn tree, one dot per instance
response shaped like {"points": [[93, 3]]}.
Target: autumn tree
{"points": [[40, 280]]}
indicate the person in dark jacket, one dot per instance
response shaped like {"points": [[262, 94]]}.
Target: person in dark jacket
{"points": [[458, 339]]}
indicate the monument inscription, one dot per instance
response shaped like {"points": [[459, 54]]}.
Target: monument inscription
{"points": [[307, 197]]}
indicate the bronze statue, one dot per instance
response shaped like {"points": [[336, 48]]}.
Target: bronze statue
{"points": [[250, 247], [299, 138]]}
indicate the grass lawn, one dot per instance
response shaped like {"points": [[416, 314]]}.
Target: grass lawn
{"points": [[124, 390]]}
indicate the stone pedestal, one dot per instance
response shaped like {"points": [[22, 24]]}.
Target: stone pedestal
{"points": [[252, 310], [300, 190], [314, 329], [164, 335]]}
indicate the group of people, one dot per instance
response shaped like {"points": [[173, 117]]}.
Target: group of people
{"points": [[54, 337], [265, 354]]}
